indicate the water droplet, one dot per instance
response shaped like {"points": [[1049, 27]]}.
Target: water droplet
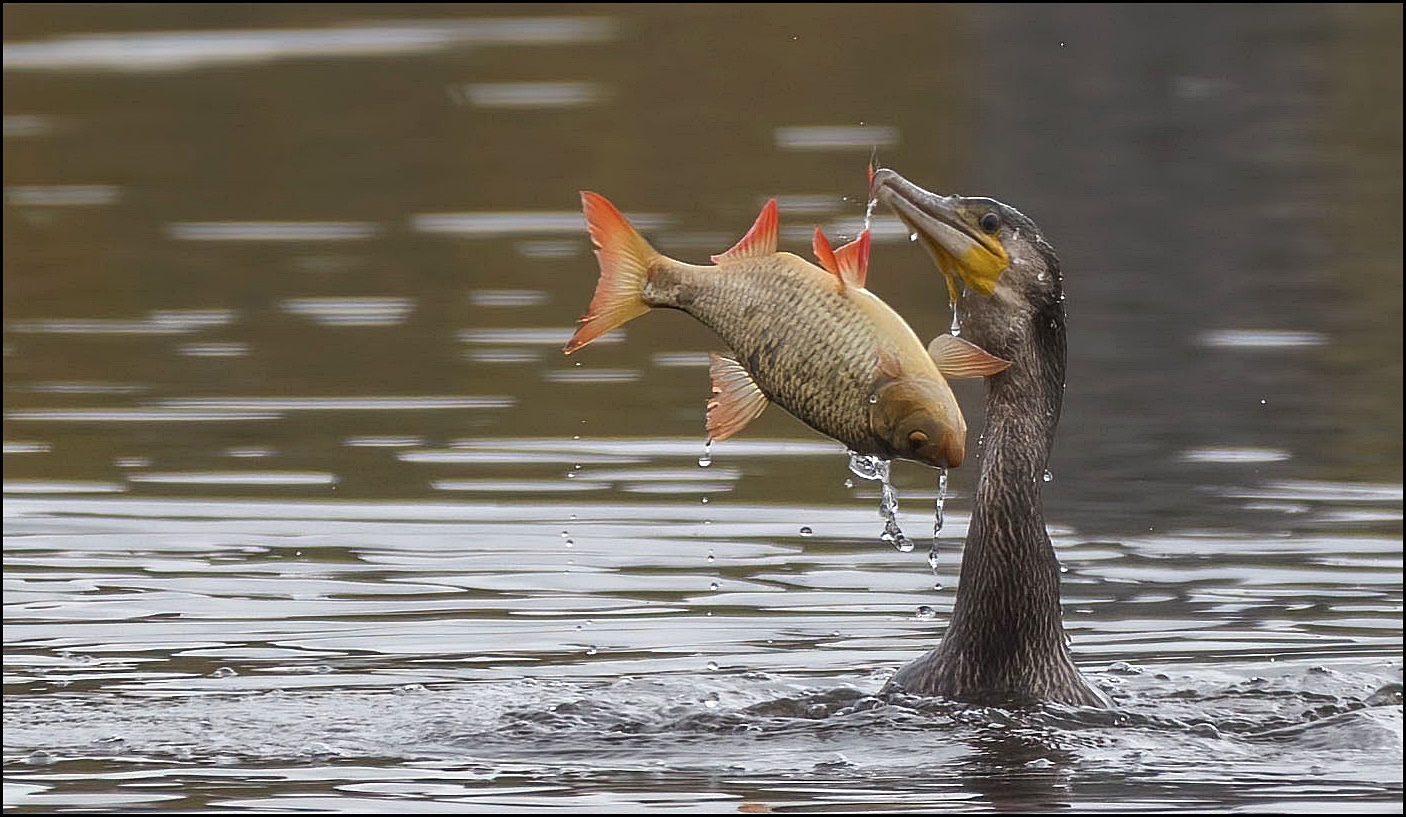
{"points": [[569, 543], [223, 672], [705, 500], [711, 557], [1262, 402], [806, 531], [575, 436], [875, 468], [849, 483], [1047, 476], [926, 613], [712, 666], [912, 236], [713, 586], [591, 649], [706, 458], [873, 398], [932, 557]]}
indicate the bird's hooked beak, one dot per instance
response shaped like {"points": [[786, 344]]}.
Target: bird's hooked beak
{"points": [[948, 229]]}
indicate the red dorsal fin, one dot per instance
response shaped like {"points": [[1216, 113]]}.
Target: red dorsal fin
{"points": [[760, 240], [737, 400], [824, 253], [853, 260]]}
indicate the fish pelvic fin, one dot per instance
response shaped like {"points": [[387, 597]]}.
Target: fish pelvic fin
{"points": [[737, 400], [759, 241], [961, 358], [824, 253], [624, 258], [853, 261], [850, 263]]}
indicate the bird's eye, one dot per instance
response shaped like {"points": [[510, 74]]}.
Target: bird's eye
{"points": [[990, 222]]}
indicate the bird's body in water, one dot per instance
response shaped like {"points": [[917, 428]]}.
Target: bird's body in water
{"points": [[1005, 643]]}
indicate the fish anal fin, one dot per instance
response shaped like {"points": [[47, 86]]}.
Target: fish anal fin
{"points": [[853, 260], [759, 241], [736, 400], [956, 357]]}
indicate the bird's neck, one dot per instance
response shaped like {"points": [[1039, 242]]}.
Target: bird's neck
{"points": [[1006, 623]]}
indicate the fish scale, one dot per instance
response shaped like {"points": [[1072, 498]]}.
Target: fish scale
{"points": [[810, 350]]}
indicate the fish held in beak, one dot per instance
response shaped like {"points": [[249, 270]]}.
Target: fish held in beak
{"points": [[951, 232]]}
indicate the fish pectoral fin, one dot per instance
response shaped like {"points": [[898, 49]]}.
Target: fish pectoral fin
{"points": [[759, 241], [959, 358], [736, 401]]}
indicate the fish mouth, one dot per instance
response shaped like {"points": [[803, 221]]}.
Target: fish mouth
{"points": [[947, 229]]}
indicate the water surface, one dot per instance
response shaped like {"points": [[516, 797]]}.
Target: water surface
{"points": [[304, 509]]}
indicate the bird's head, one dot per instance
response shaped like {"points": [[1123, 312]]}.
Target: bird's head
{"points": [[988, 250]]}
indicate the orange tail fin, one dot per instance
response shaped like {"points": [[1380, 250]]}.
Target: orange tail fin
{"points": [[624, 258]]}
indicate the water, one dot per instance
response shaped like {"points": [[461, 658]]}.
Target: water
{"points": [[304, 509]]}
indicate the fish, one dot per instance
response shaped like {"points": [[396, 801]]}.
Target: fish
{"points": [[809, 338]]}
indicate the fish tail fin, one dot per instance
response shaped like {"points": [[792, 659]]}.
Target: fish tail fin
{"points": [[624, 258]]}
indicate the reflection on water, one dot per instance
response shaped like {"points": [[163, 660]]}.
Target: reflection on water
{"points": [[305, 509]]}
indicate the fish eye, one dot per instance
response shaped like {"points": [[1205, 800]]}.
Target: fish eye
{"points": [[990, 222]]}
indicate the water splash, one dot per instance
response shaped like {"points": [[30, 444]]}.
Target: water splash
{"points": [[939, 517], [874, 468]]}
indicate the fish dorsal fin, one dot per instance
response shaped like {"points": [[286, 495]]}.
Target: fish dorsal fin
{"points": [[853, 260], [736, 400], [760, 240], [824, 253], [960, 358]]}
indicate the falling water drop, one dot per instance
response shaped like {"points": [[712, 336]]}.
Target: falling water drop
{"points": [[806, 531], [1047, 476], [849, 483], [926, 613], [869, 212], [912, 236], [711, 557], [873, 468], [713, 586], [706, 459]]}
